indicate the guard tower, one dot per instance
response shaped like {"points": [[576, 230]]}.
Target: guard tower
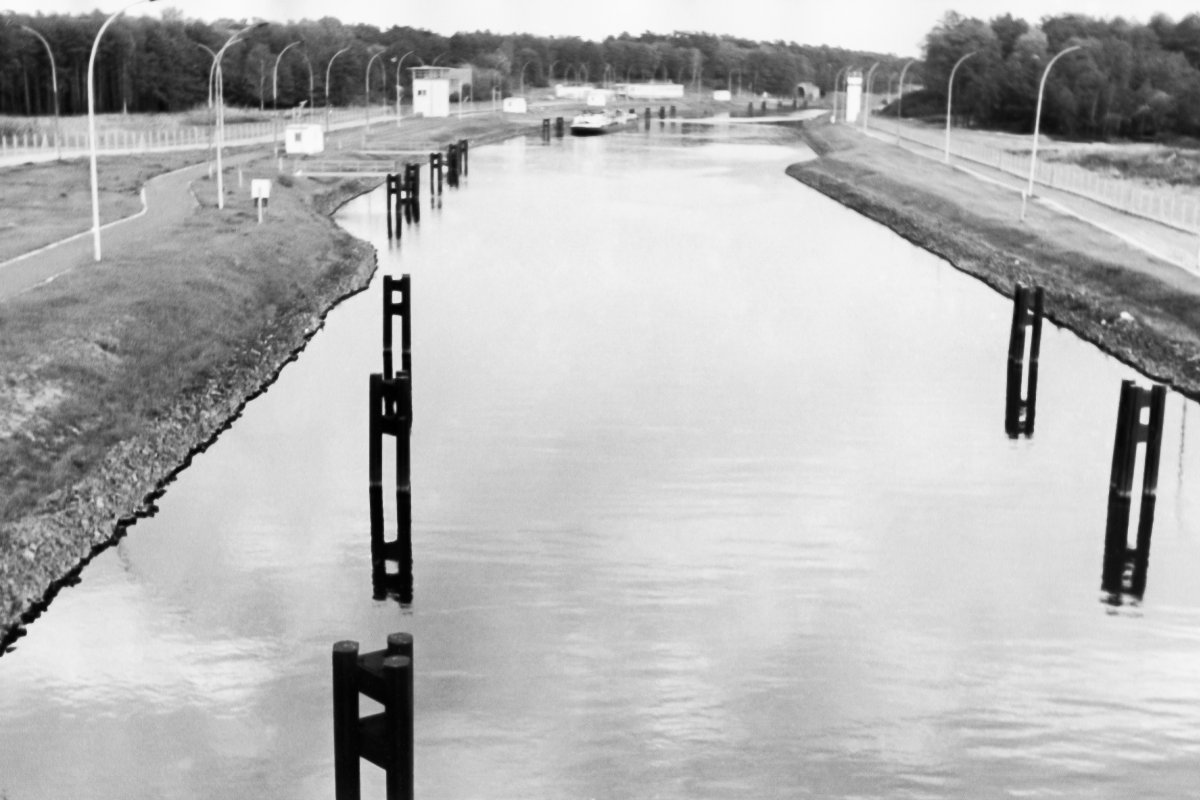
{"points": [[431, 91], [854, 82]]}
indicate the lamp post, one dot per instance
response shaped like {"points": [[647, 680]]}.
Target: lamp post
{"points": [[329, 67], [949, 97], [867, 95], [275, 94], [521, 77], [1037, 121], [900, 97], [399, 62], [311, 85], [367, 91], [54, 86], [92, 125], [221, 106], [837, 77]]}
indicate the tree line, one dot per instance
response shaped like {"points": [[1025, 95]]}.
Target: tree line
{"points": [[149, 64], [1126, 79]]}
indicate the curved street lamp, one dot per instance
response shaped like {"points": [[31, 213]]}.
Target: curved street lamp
{"points": [[399, 62], [311, 84], [1037, 121], [232, 40], [867, 95], [275, 94], [949, 97], [900, 97], [367, 98], [328, 67], [521, 77], [54, 85], [91, 94]]}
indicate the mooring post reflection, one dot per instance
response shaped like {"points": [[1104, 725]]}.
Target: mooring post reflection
{"points": [[392, 204], [391, 415], [1020, 407], [1124, 570], [384, 739]]}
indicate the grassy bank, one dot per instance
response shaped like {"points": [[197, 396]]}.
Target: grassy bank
{"points": [[112, 375], [1090, 277]]}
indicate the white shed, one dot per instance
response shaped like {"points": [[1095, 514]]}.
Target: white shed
{"points": [[431, 91], [303, 139]]}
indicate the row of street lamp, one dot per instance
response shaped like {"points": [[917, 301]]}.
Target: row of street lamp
{"points": [[216, 99], [1037, 120]]}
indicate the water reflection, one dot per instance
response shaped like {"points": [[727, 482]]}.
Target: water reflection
{"points": [[1125, 568], [703, 510], [1020, 395]]}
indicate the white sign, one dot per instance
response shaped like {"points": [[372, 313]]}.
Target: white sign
{"points": [[260, 189]]}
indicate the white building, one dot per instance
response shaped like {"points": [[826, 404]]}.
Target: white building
{"points": [[854, 82], [651, 91], [303, 139], [431, 88]]}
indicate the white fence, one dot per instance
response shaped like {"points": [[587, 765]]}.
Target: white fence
{"points": [[124, 140], [1163, 205]]}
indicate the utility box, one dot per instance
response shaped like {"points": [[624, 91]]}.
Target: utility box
{"points": [[303, 140], [722, 95], [515, 105], [431, 91]]}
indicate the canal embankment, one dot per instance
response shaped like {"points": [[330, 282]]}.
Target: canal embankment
{"points": [[113, 375], [1139, 308]]}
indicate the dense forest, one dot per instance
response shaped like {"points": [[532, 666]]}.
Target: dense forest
{"points": [[147, 64], [1129, 80]]}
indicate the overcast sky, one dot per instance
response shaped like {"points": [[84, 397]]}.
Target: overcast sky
{"points": [[897, 26]]}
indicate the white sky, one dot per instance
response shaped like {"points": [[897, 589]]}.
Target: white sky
{"points": [[898, 26]]}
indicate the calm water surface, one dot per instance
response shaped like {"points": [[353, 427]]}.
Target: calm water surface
{"points": [[712, 498]]}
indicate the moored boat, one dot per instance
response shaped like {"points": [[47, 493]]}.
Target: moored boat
{"points": [[591, 123]]}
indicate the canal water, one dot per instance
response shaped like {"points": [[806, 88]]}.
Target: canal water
{"points": [[712, 499]]}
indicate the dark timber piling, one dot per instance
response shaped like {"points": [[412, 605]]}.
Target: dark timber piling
{"points": [[393, 205], [391, 415], [436, 165], [560, 127], [546, 129], [384, 739], [403, 309], [1020, 408], [1130, 431]]}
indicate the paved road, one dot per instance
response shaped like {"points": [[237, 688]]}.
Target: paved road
{"points": [[1160, 241], [168, 201]]}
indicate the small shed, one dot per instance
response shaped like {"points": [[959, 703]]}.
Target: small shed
{"points": [[431, 91], [305, 139], [807, 90], [514, 105]]}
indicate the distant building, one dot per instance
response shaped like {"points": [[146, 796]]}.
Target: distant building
{"points": [[303, 139], [807, 91], [650, 91], [432, 88]]}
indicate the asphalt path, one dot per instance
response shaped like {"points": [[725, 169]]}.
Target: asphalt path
{"points": [[167, 202]]}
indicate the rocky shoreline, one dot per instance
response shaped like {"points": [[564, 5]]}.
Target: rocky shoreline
{"points": [[52, 547], [1142, 330]]}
